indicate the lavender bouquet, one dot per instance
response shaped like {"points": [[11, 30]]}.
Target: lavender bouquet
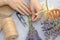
{"points": [[33, 34]]}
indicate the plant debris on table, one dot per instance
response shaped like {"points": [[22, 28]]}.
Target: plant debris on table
{"points": [[51, 29]]}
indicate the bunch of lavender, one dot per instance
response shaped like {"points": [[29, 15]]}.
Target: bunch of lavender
{"points": [[51, 29], [33, 34]]}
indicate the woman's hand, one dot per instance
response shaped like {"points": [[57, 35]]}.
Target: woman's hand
{"points": [[2, 2], [36, 9], [19, 5]]}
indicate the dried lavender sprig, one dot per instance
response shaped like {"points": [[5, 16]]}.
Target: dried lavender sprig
{"points": [[47, 26], [54, 31], [57, 27], [33, 34]]}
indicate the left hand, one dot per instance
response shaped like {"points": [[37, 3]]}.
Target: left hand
{"points": [[36, 9], [19, 5]]}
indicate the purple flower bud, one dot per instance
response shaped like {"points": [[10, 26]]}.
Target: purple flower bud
{"points": [[33, 35]]}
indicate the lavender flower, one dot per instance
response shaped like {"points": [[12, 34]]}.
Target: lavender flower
{"points": [[51, 28], [33, 34]]}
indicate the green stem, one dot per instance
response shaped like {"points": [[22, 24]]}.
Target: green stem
{"points": [[30, 23]]}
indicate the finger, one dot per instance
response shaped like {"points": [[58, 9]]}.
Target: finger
{"points": [[32, 9], [17, 9], [35, 18], [38, 16], [25, 3], [20, 8], [27, 10]]}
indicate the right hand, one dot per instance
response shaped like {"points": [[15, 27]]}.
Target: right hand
{"points": [[36, 9], [19, 5]]}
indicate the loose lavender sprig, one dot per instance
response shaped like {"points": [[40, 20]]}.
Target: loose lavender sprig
{"points": [[33, 34], [51, 28]]}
